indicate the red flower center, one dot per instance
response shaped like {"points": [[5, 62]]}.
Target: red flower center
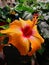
{"points": [[27, 31]]}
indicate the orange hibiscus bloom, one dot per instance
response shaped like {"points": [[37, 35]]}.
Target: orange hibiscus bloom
{"points": [[23, 34]]}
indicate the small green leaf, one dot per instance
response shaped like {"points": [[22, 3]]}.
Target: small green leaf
{"points": [[41, 50], [1, 34], [4, 27], [8, 20], [41, 17]]}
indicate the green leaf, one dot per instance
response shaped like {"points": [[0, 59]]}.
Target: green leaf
{"points": [[8, 20], [41, 17], [22, 7], [22, 1], [41, 50], [47, 5], [4, 27], [1, 34]]}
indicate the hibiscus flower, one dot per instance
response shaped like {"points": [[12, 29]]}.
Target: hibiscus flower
{"points": [[24, 35]]}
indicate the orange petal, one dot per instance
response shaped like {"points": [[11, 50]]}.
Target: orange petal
{"points": [[11, 31], [29, 23], [13, 27], [5, 31], [35, 45], [21, 44], [36, 34], [23, 23], [14, 24]]}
